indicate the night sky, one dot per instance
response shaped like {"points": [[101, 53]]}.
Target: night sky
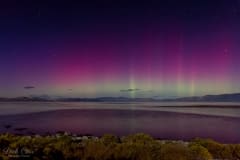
{"points": [[168, 48]]}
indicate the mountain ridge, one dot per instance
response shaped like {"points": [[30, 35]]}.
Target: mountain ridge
{"points": [[231, 97]]}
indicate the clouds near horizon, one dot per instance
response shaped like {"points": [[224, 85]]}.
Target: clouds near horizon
{"points": [[130, 90], [29, 87]]}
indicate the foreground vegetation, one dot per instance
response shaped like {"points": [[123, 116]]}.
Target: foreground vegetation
{"points": [[109, 147]]}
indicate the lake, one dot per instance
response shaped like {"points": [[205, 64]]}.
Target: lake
{"points": [[219, 121]]}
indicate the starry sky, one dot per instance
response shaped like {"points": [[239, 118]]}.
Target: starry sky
{"points": [[153, 48]]}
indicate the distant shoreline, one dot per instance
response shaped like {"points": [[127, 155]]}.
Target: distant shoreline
{"points": [[230, 97], [187, 103]]}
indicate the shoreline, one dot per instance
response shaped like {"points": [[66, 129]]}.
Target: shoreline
{"points": [[108, 146]]}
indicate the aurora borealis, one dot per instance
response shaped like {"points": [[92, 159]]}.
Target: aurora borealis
{"points": [[94, 49]]}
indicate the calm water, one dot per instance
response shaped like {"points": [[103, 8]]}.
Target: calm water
{"points": [[218, 109], [220, 121]]}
